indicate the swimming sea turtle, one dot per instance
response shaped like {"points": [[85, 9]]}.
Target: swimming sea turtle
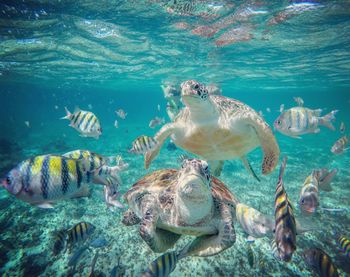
{"points": [[217, 128], [170, 203]]}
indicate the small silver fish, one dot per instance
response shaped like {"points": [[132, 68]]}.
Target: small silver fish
{"points": [[268, 109], [298, 121], [121, 113], [342, 127], [85, 122], [299, 101], [111, 193], [143, 144], [340, 146], [156, 121], [158, 108], [254, 223], [116, 125]]}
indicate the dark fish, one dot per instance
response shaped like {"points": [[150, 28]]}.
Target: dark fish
{"points": [[99, 242], [162, 266], [76, 256], [320, 262], [118, 270], [93, 263], [285, 226], [79, 232], [250, 255], [344, 245], [143, 144], [60, 242]]}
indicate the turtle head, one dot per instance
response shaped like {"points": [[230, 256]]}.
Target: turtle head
{"points": [[193, 93], [194, 181]]}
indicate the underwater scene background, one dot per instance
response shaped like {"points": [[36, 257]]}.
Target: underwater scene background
{"points": [[109, 55]]}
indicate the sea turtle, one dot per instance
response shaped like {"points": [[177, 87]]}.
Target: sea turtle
{"points": [[217, 128], [170, 203]]}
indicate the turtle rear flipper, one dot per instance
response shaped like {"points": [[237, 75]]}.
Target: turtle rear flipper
{"points": [[130, 218], [209, 245]]}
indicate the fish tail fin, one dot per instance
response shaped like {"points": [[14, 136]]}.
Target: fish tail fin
{"points": [[326, 179], [327, 119], [68, 114]]}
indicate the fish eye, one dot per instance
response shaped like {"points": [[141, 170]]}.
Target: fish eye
{"points": [[8, 180], [279, 122], [302, 201]]}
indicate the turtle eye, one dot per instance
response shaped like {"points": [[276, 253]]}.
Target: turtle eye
{"points": [[8, 180], [196, 86]]}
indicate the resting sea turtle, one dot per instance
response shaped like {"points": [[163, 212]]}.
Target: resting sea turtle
{"points": [[170, 203], [217, 128]]}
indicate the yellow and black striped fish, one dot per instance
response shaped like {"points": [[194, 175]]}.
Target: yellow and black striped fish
{"points": [[320, 262], [79, 232], [340, 146], [309, 195], [162, 266], [44, 179], [344, 245], [85, 122], [143, 144], [285, 226], [60, 242]]}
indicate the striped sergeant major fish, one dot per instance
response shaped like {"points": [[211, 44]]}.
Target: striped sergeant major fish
{"points": [[340, 146], [60, 242], [285, 225], [320, 262], [42, 180], [162, 266], [79, 232], [299, 121], [344, 244], [143, 144], [98, 164], [309, 195], [85, 122]]}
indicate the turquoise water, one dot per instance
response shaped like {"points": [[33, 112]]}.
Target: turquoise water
{"points": [[115, 54]]}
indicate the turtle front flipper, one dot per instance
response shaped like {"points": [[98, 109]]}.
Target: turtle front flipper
{"points": [[160, 137], [268, 143], [209, 245], [158, 240]]}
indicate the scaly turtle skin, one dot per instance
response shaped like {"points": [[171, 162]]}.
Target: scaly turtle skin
{"points": [[169, 203], [217, 128]]}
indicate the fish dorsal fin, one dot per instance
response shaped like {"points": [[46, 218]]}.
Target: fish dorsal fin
{"points": [[77, 109], [317, 112]]}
